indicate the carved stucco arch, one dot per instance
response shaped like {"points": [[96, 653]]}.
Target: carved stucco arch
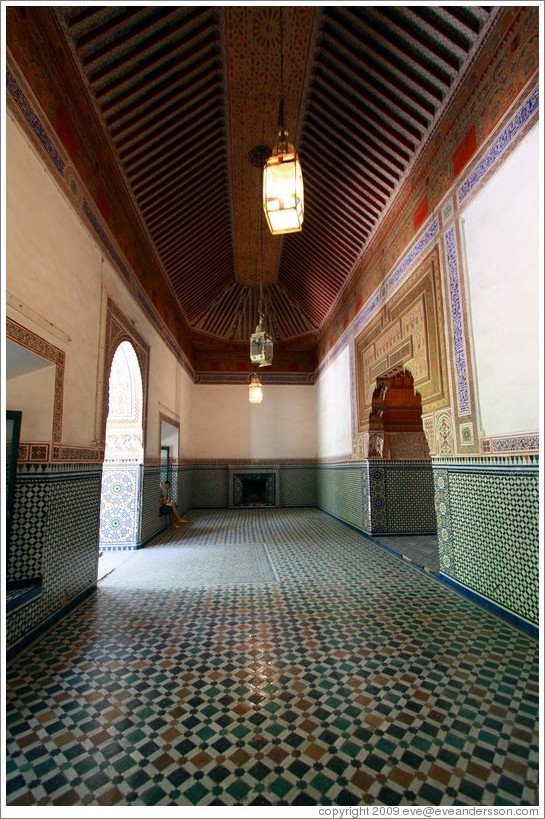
{"points": [[395, 420], [118, 329]]}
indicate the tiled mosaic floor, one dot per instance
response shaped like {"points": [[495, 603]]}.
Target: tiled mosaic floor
{"points": [[420, 549], [352, 679]]}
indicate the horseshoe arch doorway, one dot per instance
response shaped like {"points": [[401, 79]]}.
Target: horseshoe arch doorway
{"points": [[124, 454]]}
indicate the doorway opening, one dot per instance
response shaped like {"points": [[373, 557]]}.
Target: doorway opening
{"points": [[395, 422], [405, 519], [170, 445], [124, 452]]}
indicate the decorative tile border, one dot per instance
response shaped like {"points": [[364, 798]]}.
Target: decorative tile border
{"points": [[457, 323], [29, 115], [525, 442], [525, 114], [77, 453], [105, 240], [30, 341], [397, 276], [33, 452], [356, 440], [244, 378], [219, 463], [523, 461], [377, 493], [383, 293], [53, 468], [444, 522]]}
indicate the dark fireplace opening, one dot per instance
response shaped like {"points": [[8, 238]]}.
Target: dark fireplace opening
{"points": [[254, 489]]}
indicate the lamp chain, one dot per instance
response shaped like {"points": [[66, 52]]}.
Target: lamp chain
{"points": [[260, 303], [281, 114], [281, 53]]}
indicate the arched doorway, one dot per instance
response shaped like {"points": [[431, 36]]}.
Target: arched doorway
{"points": [[395, 422], [121, 473], [402, 494]]}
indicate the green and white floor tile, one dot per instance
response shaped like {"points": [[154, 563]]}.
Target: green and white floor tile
{"points": [[273, 657]]}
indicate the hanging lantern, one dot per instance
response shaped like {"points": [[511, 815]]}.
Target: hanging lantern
{"points": [[283, 196], [283, 200], [261, 345], [255, 390]]}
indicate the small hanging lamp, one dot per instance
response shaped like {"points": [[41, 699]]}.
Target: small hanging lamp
{"points": [[255, 393], [261, 344], [283, 195]]}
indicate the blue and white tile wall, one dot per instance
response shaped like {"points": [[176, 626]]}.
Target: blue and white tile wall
{"points": [[55, 534], [384, 496], [151, 522], [210, 486], [342, 490], [402, 498], [488, 531], [297, 486], [120, 507]]}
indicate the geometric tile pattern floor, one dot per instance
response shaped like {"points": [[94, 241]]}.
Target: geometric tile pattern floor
{"points": [[165, 565], [420, 549], [349, 677]]}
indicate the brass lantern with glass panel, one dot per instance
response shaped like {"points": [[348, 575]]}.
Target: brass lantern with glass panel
{"points": [[255, 394], [283, 197], [261, 345]]}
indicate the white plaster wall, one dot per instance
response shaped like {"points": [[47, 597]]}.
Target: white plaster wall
{"points": [[53, 270], [57, 272], [29, 392], [226, 425], [170, 393], [501, 236], [333, 409]]}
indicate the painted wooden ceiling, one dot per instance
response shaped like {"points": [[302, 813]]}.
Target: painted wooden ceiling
{"points": [[183, 94]]}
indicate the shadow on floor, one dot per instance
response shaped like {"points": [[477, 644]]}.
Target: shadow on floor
{"points": [[423, 550]]}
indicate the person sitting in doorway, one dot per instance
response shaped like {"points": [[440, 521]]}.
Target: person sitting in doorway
{"points": [[167, 503]]}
